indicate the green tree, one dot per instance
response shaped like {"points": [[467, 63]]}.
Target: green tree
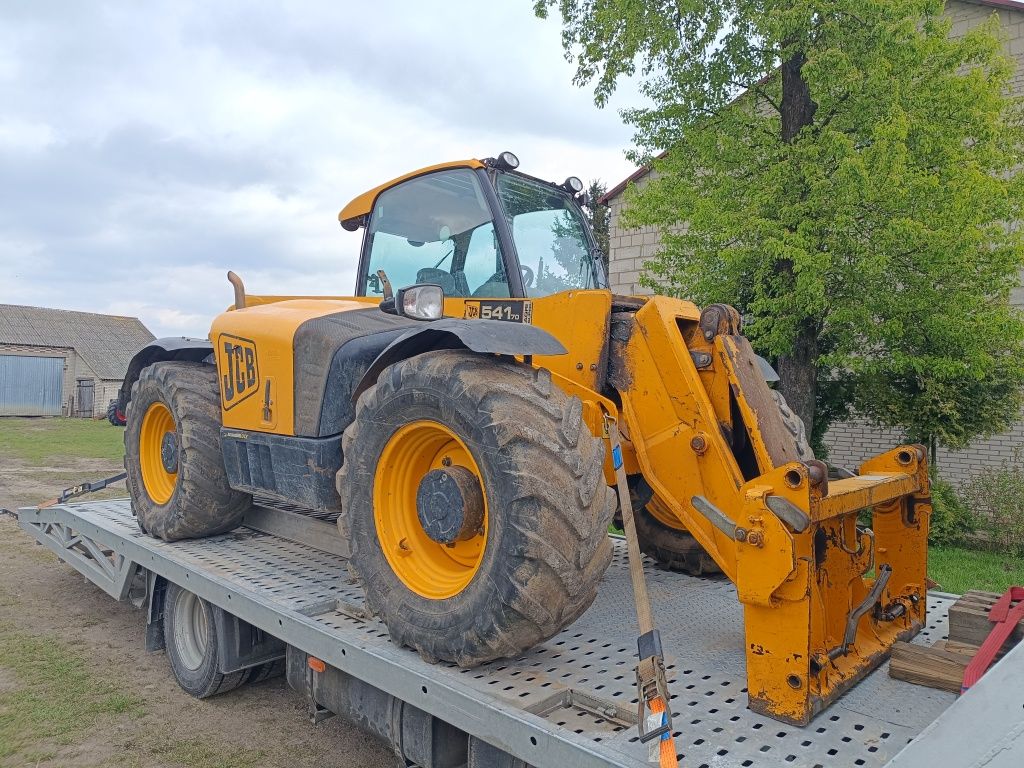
{"points": [[838, 170], [599, 216]]}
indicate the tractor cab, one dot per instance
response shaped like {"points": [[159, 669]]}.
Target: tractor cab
{"points": [[477, 229]]}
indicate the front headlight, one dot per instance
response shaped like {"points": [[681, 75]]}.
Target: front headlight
{"points": [[422, 302]]}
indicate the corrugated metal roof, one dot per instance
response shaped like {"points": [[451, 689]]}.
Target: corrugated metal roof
{"points": [[105, 342]]}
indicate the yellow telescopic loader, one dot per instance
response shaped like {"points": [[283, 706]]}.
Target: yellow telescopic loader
{"points": [[457, 411]]}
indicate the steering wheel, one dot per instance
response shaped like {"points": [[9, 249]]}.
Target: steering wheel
{"points": [[527, 275]]}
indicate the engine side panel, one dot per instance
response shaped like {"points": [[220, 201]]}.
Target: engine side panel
{"points": [[332, 352], [255, 353]]}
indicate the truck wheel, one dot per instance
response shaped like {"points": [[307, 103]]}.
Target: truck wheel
{"points": [[176, 478], [191, 642], [475, 506]]}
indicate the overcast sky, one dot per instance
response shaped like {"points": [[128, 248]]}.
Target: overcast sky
{"points": [[147, 148]]}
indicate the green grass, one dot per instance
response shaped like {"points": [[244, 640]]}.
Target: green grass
{"points": [[54, 697], [958, 570], [40, 441]]}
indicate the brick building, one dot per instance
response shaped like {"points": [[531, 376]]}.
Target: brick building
{"points": [[849, 442], [54, 362]]}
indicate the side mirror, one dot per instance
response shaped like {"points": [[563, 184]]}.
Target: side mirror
{"points": [[418, 302]]}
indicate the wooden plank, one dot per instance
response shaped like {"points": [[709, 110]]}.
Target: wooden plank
{"points": [[932, 667], [955, 647], [968, 620]]}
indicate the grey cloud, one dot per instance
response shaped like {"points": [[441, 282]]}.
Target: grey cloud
{"points": [[178, 139]]}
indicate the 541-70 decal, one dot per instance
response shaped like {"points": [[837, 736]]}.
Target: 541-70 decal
{"points": [[510, 310]]}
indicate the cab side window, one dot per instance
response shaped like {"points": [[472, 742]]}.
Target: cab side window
{"points": [[436, 229]]}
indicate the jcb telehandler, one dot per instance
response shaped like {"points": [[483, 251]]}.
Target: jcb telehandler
{"points": [[456, 410]]}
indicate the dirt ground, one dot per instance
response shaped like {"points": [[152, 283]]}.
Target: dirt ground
{"points": [[77, 687]]}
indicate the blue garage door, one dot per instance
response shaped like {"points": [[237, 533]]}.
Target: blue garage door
{"points": [[31, 386]]}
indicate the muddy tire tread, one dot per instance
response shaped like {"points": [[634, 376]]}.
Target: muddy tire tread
{"points": [[554, 546], [203, 504]]}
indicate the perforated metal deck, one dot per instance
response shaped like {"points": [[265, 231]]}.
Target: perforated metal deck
{"points": [[569, 698]]}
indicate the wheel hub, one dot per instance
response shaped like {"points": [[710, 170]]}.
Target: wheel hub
{"points": [[169, 452], [450, 504]]}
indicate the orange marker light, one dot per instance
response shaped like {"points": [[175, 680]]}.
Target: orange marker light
{"points": [[316, 665]]}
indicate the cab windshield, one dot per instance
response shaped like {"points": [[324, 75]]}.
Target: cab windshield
{"points": [[549, 234], [436, 229]]}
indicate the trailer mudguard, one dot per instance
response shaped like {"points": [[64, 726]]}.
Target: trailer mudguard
{"points": [[496, 337], [178, 348]]}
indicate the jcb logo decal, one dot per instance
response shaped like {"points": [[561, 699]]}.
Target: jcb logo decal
{"points": [[239, 370]]}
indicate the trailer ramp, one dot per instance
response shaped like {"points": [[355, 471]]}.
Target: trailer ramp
{"points": [[568, 702]]}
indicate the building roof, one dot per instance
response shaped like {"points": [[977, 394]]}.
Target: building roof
{"points": [[105, 342], [639, 173]]}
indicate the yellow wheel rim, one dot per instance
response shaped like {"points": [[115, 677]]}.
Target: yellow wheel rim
{"points": [[158, 480], [664, 515], [427, 567]]}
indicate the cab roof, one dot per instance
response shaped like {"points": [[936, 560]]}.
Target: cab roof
{"points": [[361, 205]]}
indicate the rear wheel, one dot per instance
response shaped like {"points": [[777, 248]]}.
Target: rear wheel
{"points": [[474, 502], [176, 477], [795, 425], [191, 642]]}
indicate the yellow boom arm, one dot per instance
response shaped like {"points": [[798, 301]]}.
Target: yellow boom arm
{"points": [[824, 596]]}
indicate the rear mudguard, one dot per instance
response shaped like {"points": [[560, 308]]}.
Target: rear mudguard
{"points": [[159, 350]]}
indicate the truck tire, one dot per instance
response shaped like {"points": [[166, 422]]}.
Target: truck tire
{"points": [[532, 505], [191, 642], [176, 478]]}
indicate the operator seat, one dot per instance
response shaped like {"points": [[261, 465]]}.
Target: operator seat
{"points": [[495, 287], [451, 284]]}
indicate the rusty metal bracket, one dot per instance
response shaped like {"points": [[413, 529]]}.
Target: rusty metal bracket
{"points": [[884, 572]]}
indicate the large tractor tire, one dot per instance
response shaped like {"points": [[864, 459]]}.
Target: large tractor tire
{"points": [[671, 547], [475, 506], [114, 416], [172, 455]]}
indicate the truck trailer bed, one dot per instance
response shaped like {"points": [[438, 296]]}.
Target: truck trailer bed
{"points": [[568, 702]]}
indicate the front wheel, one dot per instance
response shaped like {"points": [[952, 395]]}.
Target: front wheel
{"points": [[670, 546], [475, 505]]}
